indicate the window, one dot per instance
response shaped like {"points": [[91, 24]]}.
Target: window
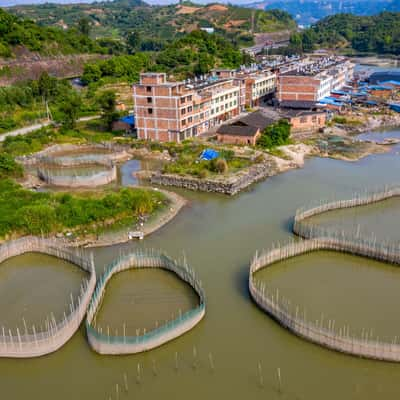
{"points": [[303, 120], [189, 109], [189, 98], [217, 109], [184, 122], [182, 100], [183, 111], [190, 119], [148, 88], [149, 100], [150, 110]]}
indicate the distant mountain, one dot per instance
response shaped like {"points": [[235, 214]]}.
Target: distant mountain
{"points": [[377, 34], [115, 19], [307, 12]]}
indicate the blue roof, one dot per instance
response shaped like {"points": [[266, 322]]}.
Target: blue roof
{"points": [[395, 107], [129, 119], [379, 87], [209, 154], [330, 100], [395, 83]]}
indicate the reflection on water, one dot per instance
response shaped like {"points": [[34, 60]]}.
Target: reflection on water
{"points": [[34, 285], [380, 136], [380, 220], [144, 299], [219, 235], [127, 170], [338, 286]]}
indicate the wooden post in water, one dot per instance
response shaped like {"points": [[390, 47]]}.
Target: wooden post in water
{"points": [[279, 380], [126, 382], [260, 375], [211, 361], [176, 362]]}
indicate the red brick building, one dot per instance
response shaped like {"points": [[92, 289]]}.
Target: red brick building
{"points": [[313, 81], [174, 111]]}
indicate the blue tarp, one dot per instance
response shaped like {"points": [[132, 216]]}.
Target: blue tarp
{"points": [[209, 154], [129, 119]]}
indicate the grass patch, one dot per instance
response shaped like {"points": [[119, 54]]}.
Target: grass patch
{"points": [[24, 212]]}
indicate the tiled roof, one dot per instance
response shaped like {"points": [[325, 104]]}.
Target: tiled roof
{"points": [[236, 130]]}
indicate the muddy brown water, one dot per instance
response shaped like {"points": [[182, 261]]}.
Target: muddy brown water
{"points": [[219, 236]]}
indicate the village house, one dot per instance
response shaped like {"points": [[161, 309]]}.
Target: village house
{"points": [[244, 131], [305, 121]]}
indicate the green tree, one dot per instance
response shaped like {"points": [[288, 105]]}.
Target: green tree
{"points": [[84, 26], [69, 109], [133, 40], [275, 135], [47, 85], [107, 101], [91, 73]]}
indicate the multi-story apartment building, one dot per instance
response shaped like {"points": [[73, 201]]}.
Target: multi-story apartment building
{"points": [[314, 80], [254, 85], [174, 111]]}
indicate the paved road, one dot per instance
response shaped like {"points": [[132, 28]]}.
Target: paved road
{"points": [[35, 127]]}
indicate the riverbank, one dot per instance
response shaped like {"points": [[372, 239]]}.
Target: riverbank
{"points": [[154, 223]]}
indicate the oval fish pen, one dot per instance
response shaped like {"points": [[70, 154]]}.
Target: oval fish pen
{"points": [[54, 154], [307, 230], [29, 342], [104, 343], [92, 180], [323, 332]]}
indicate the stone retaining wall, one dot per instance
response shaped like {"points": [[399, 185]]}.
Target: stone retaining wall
{"points": [[230, 185]]}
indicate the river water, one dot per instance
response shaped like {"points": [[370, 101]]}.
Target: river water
{"points": [[219, 235]]}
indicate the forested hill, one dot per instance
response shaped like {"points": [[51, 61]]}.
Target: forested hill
{"points": [[115, 19], [375, 34], [19, 33]]}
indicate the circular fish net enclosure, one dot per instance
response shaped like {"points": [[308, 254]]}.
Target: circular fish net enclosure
{"points": [[27, 342], [104, 342]]}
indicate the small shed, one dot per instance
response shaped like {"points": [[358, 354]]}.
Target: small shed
{"points": [[236, 134]]}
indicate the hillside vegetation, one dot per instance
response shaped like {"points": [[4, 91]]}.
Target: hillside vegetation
{"points": [[375, 34], [18, 32], [116, 19], [194, 54]]}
